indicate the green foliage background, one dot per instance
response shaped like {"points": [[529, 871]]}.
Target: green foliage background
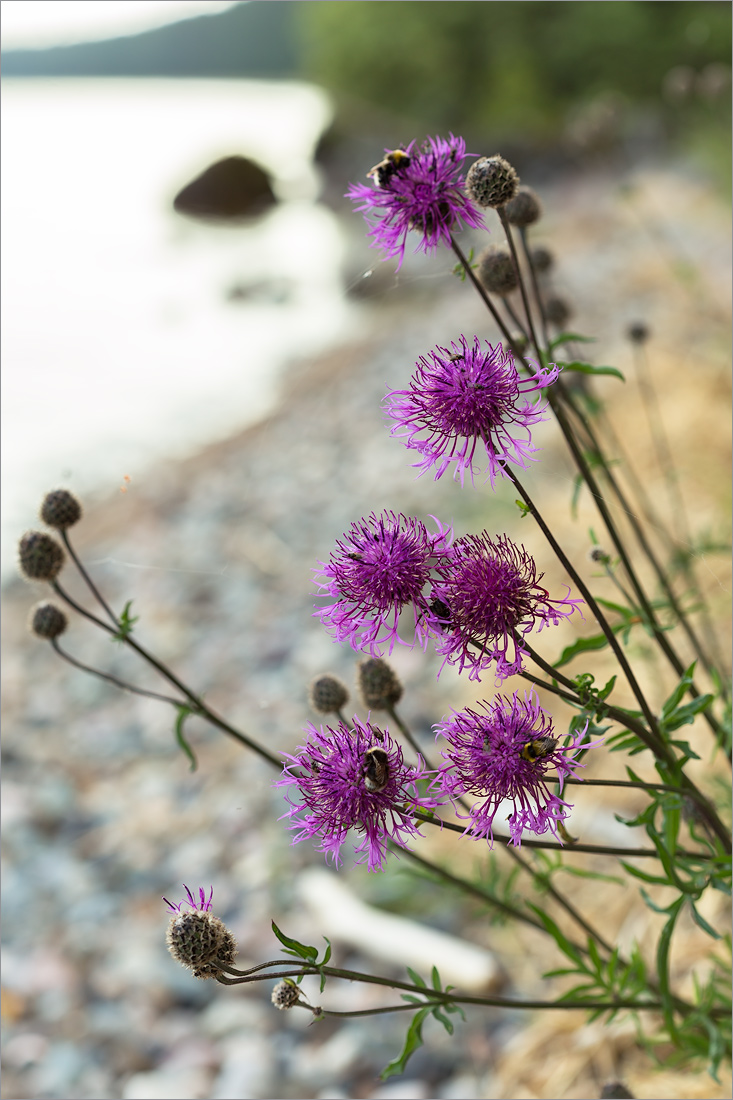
{"points": [[466, 66]]}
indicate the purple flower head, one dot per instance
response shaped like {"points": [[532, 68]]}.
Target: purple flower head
{"points": [[466, 397], [489, 594], [203, 905], [421, 189], [503, 753], [379, 566], [354, 778]]}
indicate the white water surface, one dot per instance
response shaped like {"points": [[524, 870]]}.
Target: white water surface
{"points": [[120, 343]]}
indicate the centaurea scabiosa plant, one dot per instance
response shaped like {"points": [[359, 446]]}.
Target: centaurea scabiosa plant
{"points": [[380, 566], [509, 765], [417, 188], [464, 398], [354, 778], [489, 594], [502, 751]]}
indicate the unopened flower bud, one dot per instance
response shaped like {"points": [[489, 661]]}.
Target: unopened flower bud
{"points": [[328, 694], [195, 939], [496, 270], [47, 620], [557, 311], [60, 509], [378, 683], [638, 332], [285, 994], [492, 181], [524, 209], [40, 557], [542, 259], [598, 554]]}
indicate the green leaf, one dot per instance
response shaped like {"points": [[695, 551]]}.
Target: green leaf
{"points": [[685, 715], [560, 939], [126, 623], [413, 1040], [416, 978], [294, 947], [663, 949], [583, 645], [588, 368], [571, 338], [183, 712], [702, 923]]}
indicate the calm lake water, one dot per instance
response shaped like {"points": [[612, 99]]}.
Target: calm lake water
{"points": [[122, 341]]}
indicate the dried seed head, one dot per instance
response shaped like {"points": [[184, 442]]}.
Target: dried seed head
{"points": [[60, 509], [328, 694], [496, 270], [285, 994], [40, 557], [47, 620], [638, 332], [542, 259], [557, 311], [492, 181], [378, 683], [195, 939], [524, 209]]}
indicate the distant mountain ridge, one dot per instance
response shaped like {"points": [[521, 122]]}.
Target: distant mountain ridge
{"points": [[255, 39]]}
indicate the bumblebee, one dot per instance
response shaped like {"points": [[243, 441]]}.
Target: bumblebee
{"points": [[538, 749], [393, 162], [441, 611], [376, 769]]}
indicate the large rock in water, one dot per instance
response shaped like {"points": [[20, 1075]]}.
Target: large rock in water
{"points": [[229, 190]]}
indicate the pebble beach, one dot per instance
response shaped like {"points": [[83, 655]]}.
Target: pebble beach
{"points": [[102, 814]]}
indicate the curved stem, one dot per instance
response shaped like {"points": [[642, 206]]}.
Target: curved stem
{"points": [[199, 706], [88, 580], [113, 679], [522, 289], [535, 285]]}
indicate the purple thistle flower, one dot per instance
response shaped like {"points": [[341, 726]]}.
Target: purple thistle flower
{"points": [[379, 566], [505, 753], [421, 189], [203, 905], [354, 779], [462, 398], [488, 594]]}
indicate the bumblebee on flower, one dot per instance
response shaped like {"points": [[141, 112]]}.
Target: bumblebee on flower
{"points": [[356, 778], [419, 188], [501, 751]]}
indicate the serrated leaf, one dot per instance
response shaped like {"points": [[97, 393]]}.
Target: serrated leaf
{"points": [[413, 1040], [294, 947]]}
